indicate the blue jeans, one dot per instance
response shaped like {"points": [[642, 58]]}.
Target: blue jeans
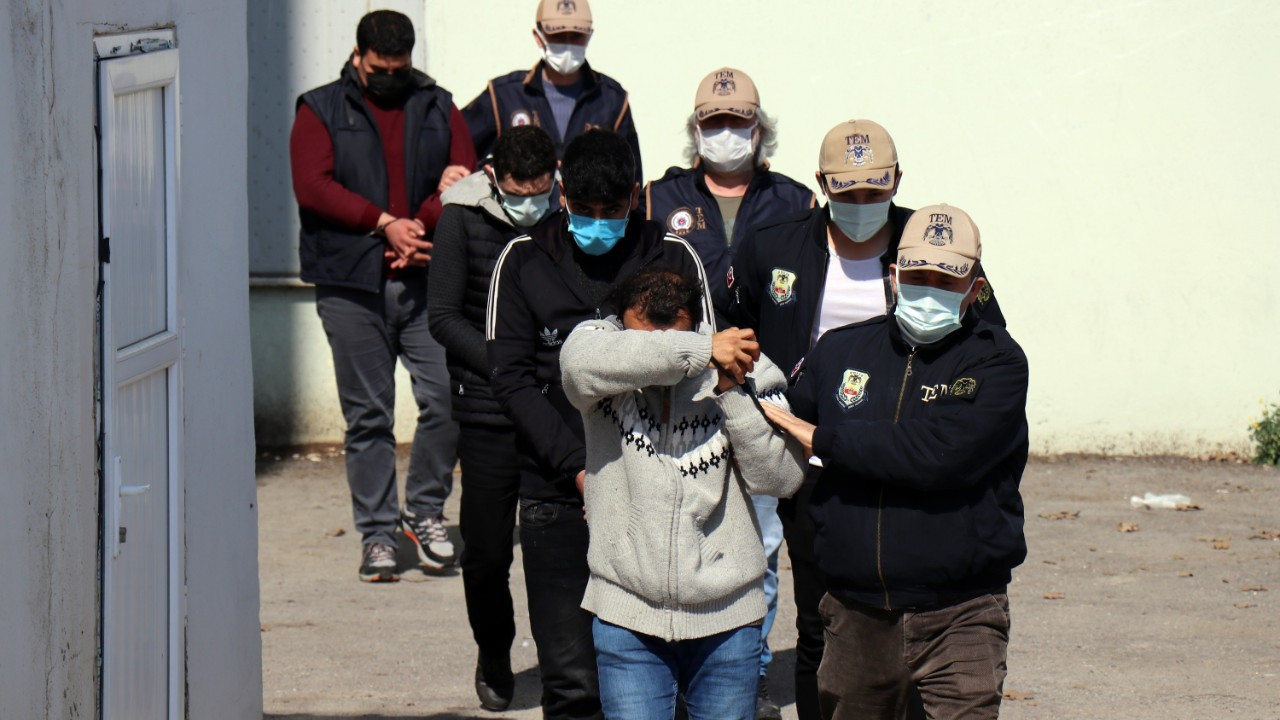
{"points": [[640, 675], [771, 534]]}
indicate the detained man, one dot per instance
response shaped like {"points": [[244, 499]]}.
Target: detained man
{"points": [[676, 446]]}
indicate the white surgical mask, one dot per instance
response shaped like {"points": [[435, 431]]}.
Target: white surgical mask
{"points": [[564, 58], [728, 149], [525, 210], [859, 222], [927, 314]]}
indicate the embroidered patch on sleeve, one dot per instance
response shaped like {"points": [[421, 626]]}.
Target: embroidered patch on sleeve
{"points": [[964, 388]]}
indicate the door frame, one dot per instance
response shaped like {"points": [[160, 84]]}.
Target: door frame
{"points": [[128, 63]]}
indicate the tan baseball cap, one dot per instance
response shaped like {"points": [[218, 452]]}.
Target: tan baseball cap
{"points": [[726, 91], [858, 154], [557, 16], [940, 238]]}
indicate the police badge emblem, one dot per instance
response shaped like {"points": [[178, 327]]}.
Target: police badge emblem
{"points": [[724, 83], [780, 286], [520, 118], [680, 221], [964, 388], [853, 389], [567, 7], [857, 150], [938, 234]]}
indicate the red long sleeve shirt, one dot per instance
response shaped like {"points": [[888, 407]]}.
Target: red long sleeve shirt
{"points": [[311, 159]]}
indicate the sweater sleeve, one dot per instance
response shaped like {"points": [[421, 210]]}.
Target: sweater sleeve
{"points": [[461, 152], [770, 462], [446, 294], [956, 446], [311, 161], [599, 360]]}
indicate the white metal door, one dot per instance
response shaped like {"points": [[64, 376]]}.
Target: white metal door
{"points": [[140, 378]]}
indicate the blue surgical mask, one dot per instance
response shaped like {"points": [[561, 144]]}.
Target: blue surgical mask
{"points": [[596, 237], [927, 314], [525, 210], [859, 222]]}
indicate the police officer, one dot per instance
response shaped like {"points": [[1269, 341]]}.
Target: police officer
{"points": [[920, 421], [562, 93], [727, 189], [796, 278]]}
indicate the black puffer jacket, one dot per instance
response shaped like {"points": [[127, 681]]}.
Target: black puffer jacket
{"points": [[471, 234]]}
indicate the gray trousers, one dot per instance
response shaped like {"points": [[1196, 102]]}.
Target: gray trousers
{"points": [[367, 332]]}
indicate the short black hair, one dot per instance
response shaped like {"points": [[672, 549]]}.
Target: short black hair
{"points": [[659, 293], [525, 153], [598, 166], [385, 32]]}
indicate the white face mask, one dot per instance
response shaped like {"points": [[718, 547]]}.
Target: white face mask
{"points": [[728, 149], [859, 222], [927, 314], [563, 57]]}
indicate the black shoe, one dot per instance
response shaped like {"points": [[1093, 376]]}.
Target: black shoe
{"points": [[430, 538], [765, 708], [378, 563], [494, 682]]}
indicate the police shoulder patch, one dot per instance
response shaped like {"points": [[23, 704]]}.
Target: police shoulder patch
{"points": [[781, 283], [964, 387], [522, 117], [984, 295], [680, 221]]}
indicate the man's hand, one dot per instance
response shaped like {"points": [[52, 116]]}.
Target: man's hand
{"points": [[404, 235], [794, 426], [736, 351], [580, 480], [452, 174]]}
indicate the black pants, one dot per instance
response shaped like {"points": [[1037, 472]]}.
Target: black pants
{"points": [[810, 587], [490, 489], [553, 542]]}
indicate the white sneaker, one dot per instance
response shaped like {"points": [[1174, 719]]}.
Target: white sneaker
{"points": [[435, 549]]}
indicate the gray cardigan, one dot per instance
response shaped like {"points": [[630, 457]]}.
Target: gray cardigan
{"points": [[675, 547]]}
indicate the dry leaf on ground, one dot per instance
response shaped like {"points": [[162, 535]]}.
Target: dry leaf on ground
{"points": [[1187, 507], [1018, 696], [1127, 527], [1186, 573], [1252, 588], [1245, 606], [1061, 515], [1222, 544], [336, 532], [1054, 596], [1266, 535]]}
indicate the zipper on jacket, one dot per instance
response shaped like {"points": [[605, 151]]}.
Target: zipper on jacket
{"points": [[902, 391]]}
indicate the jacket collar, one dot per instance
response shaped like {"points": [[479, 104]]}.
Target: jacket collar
{"points": [[533, 79], [354, 89], [897, 221], [968, 324]]}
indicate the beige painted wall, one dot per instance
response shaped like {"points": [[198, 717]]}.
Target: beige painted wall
{"points": [[1117, 157]]}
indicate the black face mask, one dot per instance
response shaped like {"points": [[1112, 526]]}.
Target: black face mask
{"points": [[390, 88]]}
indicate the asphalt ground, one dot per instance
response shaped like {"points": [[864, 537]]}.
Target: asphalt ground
{"points": [[1118, 612]]}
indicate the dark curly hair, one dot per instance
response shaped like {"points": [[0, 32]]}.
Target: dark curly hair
{"points": [[524, 153], [385, 32], [659, 294], [598, 166]]}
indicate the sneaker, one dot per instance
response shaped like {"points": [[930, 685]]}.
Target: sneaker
{"points": [[378, 563], [494, 682], [430, 538], [765, 708]]}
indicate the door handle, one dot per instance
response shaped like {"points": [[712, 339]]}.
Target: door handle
{"points": [[116, 536], [127, 490]]}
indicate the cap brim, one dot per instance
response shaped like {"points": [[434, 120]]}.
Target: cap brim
{"points": [[872, 178], [742, 110], [935, 259], [559, 25]]}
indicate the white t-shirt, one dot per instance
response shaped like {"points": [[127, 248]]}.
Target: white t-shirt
{"points": [[854, 292]]}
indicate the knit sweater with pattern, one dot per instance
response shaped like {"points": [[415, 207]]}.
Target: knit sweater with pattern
{"points": [[675, 548]]}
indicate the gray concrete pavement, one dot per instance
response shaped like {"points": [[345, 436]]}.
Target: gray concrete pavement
{"points": [[1155, 623]]}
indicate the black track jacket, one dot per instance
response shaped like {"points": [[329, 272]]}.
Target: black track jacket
{"points": [[535, 301], [778, 275], [917, 503]]}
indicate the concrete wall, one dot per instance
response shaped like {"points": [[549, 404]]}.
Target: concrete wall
{"points": [[48, 470], [1118, 158]]}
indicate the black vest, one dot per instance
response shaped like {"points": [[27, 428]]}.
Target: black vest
{"points": [[334, 255], [519, 99], [682, 202]]}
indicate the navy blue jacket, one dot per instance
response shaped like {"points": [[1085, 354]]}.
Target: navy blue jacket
{"points": [[331, 254], [917, 504], [682, 202], [535, 301], [783, 315], [518, 99]]}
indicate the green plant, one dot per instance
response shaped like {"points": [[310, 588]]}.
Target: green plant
{"points": [[1265, 433]]}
